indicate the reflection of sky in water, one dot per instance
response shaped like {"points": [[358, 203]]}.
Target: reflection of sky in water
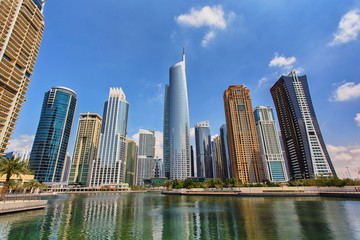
{"points": [[154, 216]]}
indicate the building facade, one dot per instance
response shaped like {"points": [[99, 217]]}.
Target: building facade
{"points": [[217, 159], [305, 148], [48, 153], [110, 165], [146, 159], [244, 149], [225, 152], [179, 127], [131, 162], [21, 30], [85, 149], [271, 151], [204, 159], [166, 134]]}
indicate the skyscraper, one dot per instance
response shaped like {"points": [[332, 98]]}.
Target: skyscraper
{"points": [[204, 160], [244, 149], [271, 152], [47, 157], [21, 29], [166, 135], [225, 159], [110, 166], [305, 148], [131, 162], [85, 149], [217, 159], [179, 128], [146, 158]]}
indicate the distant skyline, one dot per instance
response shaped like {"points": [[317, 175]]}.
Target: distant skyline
{"points": [[133, 44]]}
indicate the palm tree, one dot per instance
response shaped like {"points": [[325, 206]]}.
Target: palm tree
{"points": [[11, 166], [33, 184]]}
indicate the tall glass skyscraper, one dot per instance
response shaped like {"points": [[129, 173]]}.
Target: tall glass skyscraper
{"points": [[110, 166], [225, 159], [305, 148], [166, 135], [178, 130], [271, 152], [21, 30], [204, 156], [47, 158]]}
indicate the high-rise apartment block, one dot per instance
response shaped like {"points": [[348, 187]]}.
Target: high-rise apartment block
{"points": [[271, 152], [48, 154], [131, 162], [176, 124], [21, 30], [225, 152], [305, 148], [204, 160], [244, 149], [146, 159], [85, 149], [110, 166]]}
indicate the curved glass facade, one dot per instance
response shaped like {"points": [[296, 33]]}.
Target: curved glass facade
{"points": [[51, 141], [179, 123]]}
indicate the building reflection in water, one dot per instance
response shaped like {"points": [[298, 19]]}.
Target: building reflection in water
{"points": [[155, 216]]}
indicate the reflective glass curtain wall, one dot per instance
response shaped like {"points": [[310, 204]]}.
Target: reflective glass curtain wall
{"points": [[180, 162], [51, 141], [110, 165]]}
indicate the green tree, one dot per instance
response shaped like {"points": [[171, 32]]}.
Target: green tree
{"points": [[33, 184], [167, 184], [188, 183], [177, 184], [9, 167]]}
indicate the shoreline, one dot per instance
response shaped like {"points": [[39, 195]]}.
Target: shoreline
{"points": [[265, 194]]}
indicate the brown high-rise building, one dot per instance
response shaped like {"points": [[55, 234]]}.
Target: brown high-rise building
{"points": [[21, 29], [85, 148], [244, 149]]}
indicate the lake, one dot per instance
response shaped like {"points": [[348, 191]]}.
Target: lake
{"points": [[156, 216]]}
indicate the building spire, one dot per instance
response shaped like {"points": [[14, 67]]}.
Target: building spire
{"points": [[183, 56]]}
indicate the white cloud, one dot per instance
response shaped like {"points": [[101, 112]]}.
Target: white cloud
{"points": [[210, 35], [357, 119], [207, 16], [158, 143], [214, 136], [192, 132], [345, 92], [159, 95], [348, 29], [21, 144], [211, 17], [346, 160], [262, 81], [281, 61]]}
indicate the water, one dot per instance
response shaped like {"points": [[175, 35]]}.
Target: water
{"points": [[156, 216]]}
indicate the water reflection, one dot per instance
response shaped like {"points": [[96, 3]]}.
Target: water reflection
{"points": [[154, 216]]}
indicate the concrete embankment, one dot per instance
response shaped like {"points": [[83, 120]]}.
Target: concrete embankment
{"points": [[20, 205]]}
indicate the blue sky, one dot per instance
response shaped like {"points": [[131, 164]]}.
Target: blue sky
{"points": [[90, 46]]}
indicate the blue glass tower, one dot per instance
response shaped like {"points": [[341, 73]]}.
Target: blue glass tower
{"points": [[204, 159], [179, 128], [225, 152], [51, 141], [110, 166], [166, 136]]}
